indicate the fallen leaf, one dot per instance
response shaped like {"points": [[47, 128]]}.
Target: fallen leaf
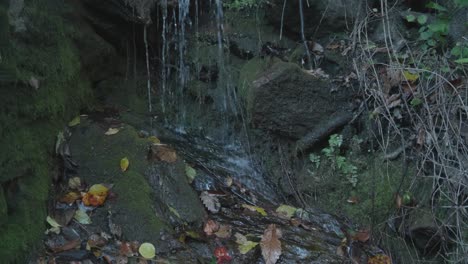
{"points": [[154, 140], [162, 153], [411, 77], [222, 255], [124, 163], [112, 131], [398, 201], [286, 210], [174, 211], [211, 202], [70, 197], [34, 82], [192, 234], [379, 259], [74, 122], [96, 241], [361, 235], [224, 231], [96, 195], [147, 250], [67, 246], [353, 200], [190, 172], [210, 227], [52, 222], [271, 245], [244, 245], [125, 249], [82, 217], [255, 208], [74, 183], [228, 181]]}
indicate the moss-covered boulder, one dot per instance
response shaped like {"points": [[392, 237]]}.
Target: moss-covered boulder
{"points": [[148, 193], [283, 98]]}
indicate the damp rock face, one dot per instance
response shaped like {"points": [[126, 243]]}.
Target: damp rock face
{"points": [[321, 17], [285, 99]]}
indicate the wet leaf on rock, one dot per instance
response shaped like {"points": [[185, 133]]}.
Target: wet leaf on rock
{"points": [[96, 195], [70, 197], [224, 231], [74, 122], [222, 255], [162, 152], [124, 163], [244, 245], [52, 222], [74, 183], [210, 227], [190, 172], [82, 217], [112, 131], [147, 250], [271, 245], [286, 210], [379, 259], [154, 140], [211, 202], [255, 209]]}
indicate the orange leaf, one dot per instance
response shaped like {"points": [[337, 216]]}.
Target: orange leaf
{"points": [[271, 245], [211, 226], [70, 197]]}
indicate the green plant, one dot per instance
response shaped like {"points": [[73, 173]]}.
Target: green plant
{"points": [[339, 163], [242, 4]]}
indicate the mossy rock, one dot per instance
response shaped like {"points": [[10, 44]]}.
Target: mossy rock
{"points": [[146, 191]]}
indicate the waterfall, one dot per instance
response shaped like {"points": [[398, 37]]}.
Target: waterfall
{"points": [[183, 68], [301, 14], [148, 83], [164, 48]]}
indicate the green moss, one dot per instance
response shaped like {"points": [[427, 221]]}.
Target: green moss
{"points": [[31, 118]]}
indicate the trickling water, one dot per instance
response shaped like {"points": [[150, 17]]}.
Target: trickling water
{"points": [[164, 48], [184, 6], [148, 83], [301, 14]]}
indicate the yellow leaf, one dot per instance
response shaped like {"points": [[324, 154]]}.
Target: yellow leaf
{"points": [[244, 245], [192, 234], [98, 189], [255, 208], [154, 140], [112, 131], [190, 172], [124, 164], [82, 217], [286, 210], [411, 77], [74, 183], [75, 121], [147, 250], [174, 211], [52, 222]]}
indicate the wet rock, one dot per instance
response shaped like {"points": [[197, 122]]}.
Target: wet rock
{"points": [[322, 17], [285, 99]]}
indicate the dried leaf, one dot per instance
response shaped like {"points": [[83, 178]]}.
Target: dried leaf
{"points": [[228, 181], [74, 122], [244, 245], [112, 131], [379, 259], [96, 195], [147, 250], [163, 153], [70, 197], [124, 163], [74, 183], [224, 231], [353, 200], [398, 201], [255, 209], [361, 236], [271, 245], [211, 202], [82, 217], [286, 210], [190, 172], [96, 241], [210, 227]]}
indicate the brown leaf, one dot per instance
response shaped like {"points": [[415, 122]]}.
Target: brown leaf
{"points": [[211, 226], [271, 245], [224, 231], [398, 201], [70, 197], [161, 152], [211, 202], [353, 200], [362, 235]]}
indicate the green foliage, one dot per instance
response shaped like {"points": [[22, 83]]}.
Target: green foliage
{"points": [[243, 4], [339, 163]]}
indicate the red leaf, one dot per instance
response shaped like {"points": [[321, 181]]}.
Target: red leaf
{"points": [[222, 255]]}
